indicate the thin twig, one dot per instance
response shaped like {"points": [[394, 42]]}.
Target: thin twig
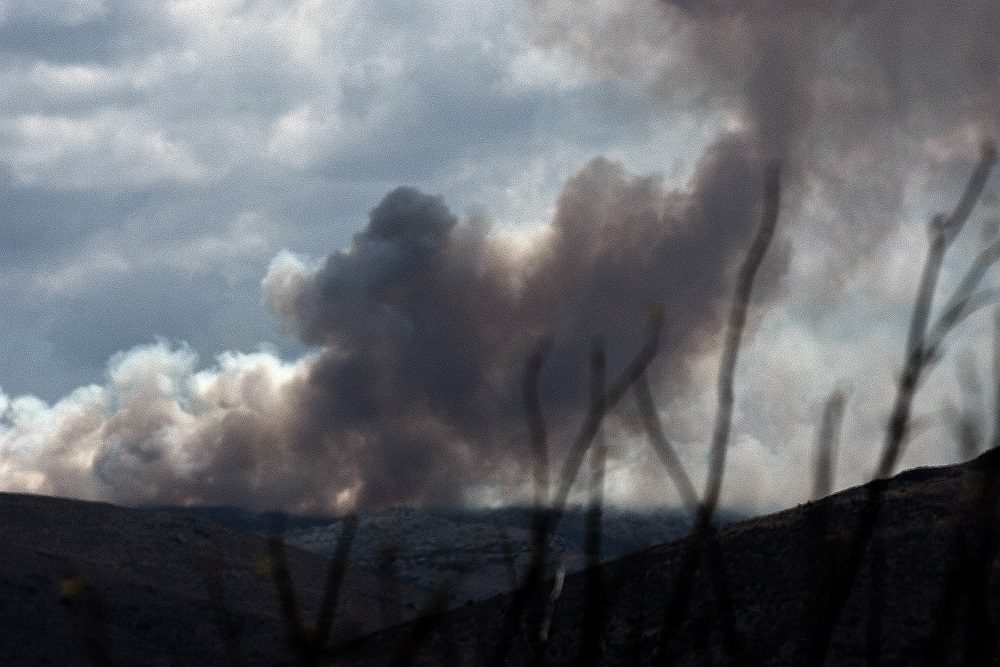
{"points": [[547, 517], [944, 230], [817, 518], [596, 413], [734, 336], [677, 606], [595, 592], [334, 583], [965, 301], [224, 619], [826, 443], [662, 446], [296, 633]]}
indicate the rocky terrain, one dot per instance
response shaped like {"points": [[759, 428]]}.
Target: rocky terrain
{"points": [[476, 555], [466, 554], [83, 582]]}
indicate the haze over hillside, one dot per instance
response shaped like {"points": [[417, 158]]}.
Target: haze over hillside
{"points": [[476, 553]]}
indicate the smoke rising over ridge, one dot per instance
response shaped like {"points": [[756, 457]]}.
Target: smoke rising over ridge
{"points": [[422, 328]]}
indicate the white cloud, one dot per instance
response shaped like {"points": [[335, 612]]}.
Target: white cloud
{"points": [[107, 148], [154, 405], [303, 136]]}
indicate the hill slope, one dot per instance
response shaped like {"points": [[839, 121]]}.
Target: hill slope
{"points": [[773, 570], [147, 587]]}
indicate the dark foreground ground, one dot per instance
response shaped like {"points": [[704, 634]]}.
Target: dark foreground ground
{"points": [[84, 583]]}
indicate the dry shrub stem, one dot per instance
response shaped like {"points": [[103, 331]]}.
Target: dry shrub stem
{"points": [[334, 582], [310, 645], [944, 230], [704, 531], [995, 442], [821, 555], [84, 604], [663, 447], [547, 515], [595, 613], [228, 629], [827, 443], [975, 548], [734, 336]]}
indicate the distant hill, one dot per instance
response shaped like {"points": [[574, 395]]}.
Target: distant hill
{"points": [[929, 610], [469, 552], [244, 520], [474, 552]]}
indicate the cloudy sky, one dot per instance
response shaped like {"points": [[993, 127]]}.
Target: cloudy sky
{"points": [[296, 253]]}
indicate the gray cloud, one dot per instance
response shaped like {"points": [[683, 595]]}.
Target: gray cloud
{"points": [[132, 129], [90, 31]]}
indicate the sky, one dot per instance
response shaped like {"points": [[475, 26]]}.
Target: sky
{"points": [[296, 253]]}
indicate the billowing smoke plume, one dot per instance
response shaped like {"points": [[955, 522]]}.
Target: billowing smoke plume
{"points": [[422, 328]]}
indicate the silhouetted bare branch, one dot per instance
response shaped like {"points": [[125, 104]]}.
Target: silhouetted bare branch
{"points": [[334, 582], [734, 336], [703, 529], [826, 443], [662, 446], [595, 594], [944, 230]]}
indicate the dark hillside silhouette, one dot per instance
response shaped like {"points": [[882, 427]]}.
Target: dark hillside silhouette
{"points": [[768, 563], [89, 582]]}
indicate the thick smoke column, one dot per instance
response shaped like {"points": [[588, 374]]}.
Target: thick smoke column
{"points": [[422, 328]]}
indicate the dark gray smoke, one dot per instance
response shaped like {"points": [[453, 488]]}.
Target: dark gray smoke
{"points": [[422, 327], [850, 94], [426, 323]]}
